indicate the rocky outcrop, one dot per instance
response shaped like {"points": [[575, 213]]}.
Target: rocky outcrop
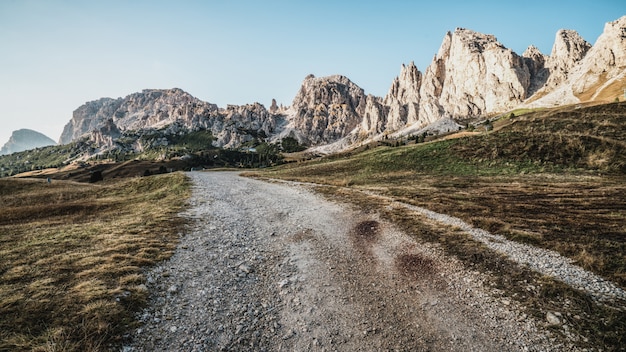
{"points": [[374, 120], [569, 48], [25, 139], [171, 110], [605, 61], [88, 117], [105, 135], [472, 75], [236, 125], [536, 63], [580, 72], [151, 108], [327, 109], [160, 107], [403, 98]]}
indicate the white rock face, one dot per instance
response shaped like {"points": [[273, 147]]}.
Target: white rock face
{"points": [[327, 109], [403, 98], [607, 57], [569, 48], [472, 75], [374, 118], [590, 68], [88, 117]]}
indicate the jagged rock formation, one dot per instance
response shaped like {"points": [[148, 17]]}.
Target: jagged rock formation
{"points": [[105, 135], [238, 124], [471, 76], [593, 73], [536, 63], [25, 139], [403, 98], [170, 111], [569, 48], [152, 108], [374, 118], [327, 109], [88, 117]]}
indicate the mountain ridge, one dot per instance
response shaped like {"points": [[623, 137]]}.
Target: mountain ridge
{"points": [[472, 76]]}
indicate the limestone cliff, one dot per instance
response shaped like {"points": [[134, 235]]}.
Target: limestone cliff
{"points": [[88, 117], [403, 98], [569, 48], [580, 72], [171, 110], [327, 109], [472, 75]]}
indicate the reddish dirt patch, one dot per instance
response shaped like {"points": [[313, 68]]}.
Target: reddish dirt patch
{"points": [[365, 233], [414, 265]]}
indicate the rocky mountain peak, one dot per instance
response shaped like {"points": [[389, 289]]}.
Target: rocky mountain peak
{"points": [[472, 75], [405, 87], [327, 108], [569, 48], [536, 63], [568, 44], [153, 108], [579, 71], [476, 42], [532, 52], [609, 51], [403, 97], [25, 139]]}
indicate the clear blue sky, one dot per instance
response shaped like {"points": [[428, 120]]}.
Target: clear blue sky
{"points": [[56, 55]]}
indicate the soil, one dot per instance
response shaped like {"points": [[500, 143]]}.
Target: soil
{"points": [[275, 267]]}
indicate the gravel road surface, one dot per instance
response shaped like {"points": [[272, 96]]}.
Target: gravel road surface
{"points": [[274, 267]]}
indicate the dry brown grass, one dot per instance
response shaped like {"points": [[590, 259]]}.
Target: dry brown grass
{"points": [[603, 94], [71, 256]]}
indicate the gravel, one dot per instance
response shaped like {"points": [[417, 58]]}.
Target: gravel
{"points": [[543, 261], [274, 267]]}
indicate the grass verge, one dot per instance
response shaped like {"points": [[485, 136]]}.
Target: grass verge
{"points": [[71, 257]]}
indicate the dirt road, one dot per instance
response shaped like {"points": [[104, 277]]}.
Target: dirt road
{"points": [[274, 267]]}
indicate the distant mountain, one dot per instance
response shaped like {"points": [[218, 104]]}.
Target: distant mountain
{"points": [[25, 139], [471, 76]]}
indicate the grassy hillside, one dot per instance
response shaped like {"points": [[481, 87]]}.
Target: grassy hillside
{"points": [[71, 257]]}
